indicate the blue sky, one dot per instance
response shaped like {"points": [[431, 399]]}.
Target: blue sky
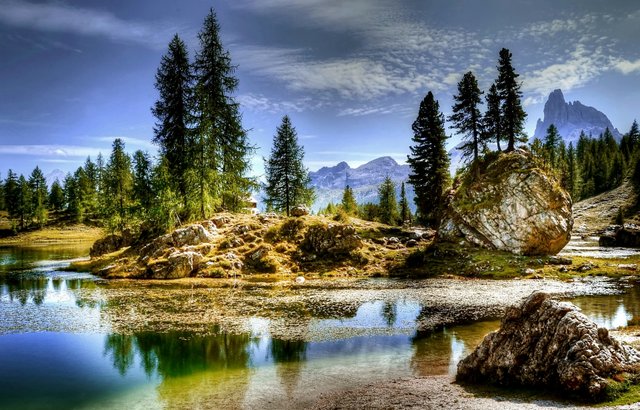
{"points": [[76, 74]]}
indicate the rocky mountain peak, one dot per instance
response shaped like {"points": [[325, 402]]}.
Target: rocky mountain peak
{"points": [[572, 118]]}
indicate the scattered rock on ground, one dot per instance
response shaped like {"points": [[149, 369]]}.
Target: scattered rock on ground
{"points": [[547, 343], [331, 238]]}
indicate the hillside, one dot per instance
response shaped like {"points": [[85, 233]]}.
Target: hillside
{"points": [[596, 213]]}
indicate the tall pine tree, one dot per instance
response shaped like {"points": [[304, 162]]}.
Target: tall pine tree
{"points": [[173, 111], [513, 115], [39, 196], [388, 206], [221, 144], [405, 211], [466, 117], [429, 161], [119, 185], [288, 182], [551, 143], [492, 120]]}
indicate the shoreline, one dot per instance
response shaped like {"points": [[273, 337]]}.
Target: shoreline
{"points": [[71, 234]]}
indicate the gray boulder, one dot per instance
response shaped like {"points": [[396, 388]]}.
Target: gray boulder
{"points": [[547, 343], [513, 206], [300, 210], [331, 239]]}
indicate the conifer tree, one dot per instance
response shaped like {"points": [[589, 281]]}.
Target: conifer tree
{"points": [[429, 161], [349, 204], [513, 115], [287, 179], [573, 174], [551, 142], [39, 194], [119, 184], [142, 188], [72, 198], [492, 120], [56, 197], [11, 194], [466, 117], [221, 145], [405, 211], [173, 111], [25, 204], [388, 206]]}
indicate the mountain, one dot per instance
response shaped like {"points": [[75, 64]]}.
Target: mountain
{"points": [[329, 182], [53, 175], [572, 118]]}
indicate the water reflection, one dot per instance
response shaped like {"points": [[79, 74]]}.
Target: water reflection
{"points": [[613, 311], [39, 289]]}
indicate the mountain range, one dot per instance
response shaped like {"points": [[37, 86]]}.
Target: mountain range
{"points": [[571, 118], [329, 182]]}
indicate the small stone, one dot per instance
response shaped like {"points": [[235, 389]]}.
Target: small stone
{"points": [[628, 266], [299, 280], [411, 243], [300, 210], [529, 271]]}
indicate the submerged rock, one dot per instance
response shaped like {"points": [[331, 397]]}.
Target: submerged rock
{"points": [[513, 206], [547, 343]]}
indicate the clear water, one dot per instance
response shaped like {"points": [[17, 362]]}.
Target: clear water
{"points": [[76, 361]]}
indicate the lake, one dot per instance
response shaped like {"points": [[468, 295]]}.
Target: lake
{"points": [[70, 340]]}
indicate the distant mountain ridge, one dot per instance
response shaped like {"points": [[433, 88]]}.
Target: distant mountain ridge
{"points": [[571, 118], [329, 182]]}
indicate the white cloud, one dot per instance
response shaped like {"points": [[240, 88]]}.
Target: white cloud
{"points": [[63, 18], [626, 66], [262, 103], [62, 151], [373, 110]]}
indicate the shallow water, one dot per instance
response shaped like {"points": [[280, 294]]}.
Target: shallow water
{"points": [[76, 359], [589, 248]]}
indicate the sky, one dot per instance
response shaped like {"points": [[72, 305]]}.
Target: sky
{"points": [[75, 74]]}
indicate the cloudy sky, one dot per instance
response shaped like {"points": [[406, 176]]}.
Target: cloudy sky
{"points": [[76, 74]]}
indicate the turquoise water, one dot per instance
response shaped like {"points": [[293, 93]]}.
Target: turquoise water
{"points": [[57, 350]]}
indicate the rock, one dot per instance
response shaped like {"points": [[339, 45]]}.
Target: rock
{"points": [[220, 221], [529, 271], [514, 206], [411, 243], [550, 344], [628, 266], [300, 210], [299, 280], [191, 235], [572, 118], [585, 267], [110, 243], [627, 236], [178, 265], [331, 239], [559, 260]]}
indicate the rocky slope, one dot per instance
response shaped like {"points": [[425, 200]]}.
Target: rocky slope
{"points": [[329, 182], [513, 206], [572, 118], [232, 245], [594, 214]]}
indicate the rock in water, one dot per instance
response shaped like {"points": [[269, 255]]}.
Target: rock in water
{"points": [[513, 206], [547, 343]]}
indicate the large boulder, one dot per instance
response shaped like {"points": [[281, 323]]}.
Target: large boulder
{"points": [[547, 343], [191, 235], [513, 205], [177, 265]]}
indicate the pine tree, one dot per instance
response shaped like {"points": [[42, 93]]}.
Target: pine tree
{"points": [[163, 215], [429, 161], [39, 196], [119, 185], [287, 179], [25, 204], [349, 204], [405, 211], [513, 115], [551, 142], [56, 197], [11, 194], [466, 117], [142, 189], [388, 206], [573, 173], [173, 111], [72, 197], [221, 144], [492, 120]]}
